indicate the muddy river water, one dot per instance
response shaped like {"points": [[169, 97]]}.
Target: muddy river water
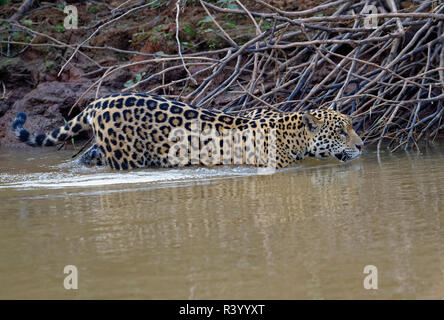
{"points": [[216, 233]]}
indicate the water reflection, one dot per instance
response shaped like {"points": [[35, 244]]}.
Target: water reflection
{"points": [[301, 233]]}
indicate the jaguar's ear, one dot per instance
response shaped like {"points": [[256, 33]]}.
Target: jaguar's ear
{"points": [[311, 123]]}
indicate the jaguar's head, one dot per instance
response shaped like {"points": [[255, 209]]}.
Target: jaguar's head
{"points": [[331, 134]]}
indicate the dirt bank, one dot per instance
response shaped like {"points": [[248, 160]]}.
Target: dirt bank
{"points": [[238, 55], [30, 79]]}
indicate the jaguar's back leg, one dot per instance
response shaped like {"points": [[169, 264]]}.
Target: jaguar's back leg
{"points": [[92, 156]]}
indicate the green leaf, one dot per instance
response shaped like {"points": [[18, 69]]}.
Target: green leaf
{"points": [[232, 6], [128, 84], [189, 31], [92, 9], [139, 76], [266, 26], [207, 19]]}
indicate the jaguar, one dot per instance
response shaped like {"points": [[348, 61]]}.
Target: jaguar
{"points": [[136, 130]]}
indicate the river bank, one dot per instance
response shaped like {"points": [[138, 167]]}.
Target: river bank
{"points": [[390, 83]]}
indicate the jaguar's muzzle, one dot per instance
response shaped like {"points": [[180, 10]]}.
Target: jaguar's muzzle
{"points": [[347, 155]]}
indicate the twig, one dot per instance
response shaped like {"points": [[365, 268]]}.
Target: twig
{"points": [[178, 42]]}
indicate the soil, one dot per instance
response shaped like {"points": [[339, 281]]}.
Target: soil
{"points": [[30, 80]]}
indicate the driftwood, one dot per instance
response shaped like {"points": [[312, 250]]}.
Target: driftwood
{"points": [[26, 5], [384, 70]]}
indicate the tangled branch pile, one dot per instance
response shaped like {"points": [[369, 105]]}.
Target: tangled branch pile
{"points": [[385, 70]]}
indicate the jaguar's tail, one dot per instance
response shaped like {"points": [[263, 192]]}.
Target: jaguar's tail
{"points": [[70, 129]]}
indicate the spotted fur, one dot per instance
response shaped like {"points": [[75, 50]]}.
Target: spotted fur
{"points": [[134, 130]]}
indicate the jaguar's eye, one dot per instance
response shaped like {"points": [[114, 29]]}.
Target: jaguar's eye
{"points": [[343, 133]]}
